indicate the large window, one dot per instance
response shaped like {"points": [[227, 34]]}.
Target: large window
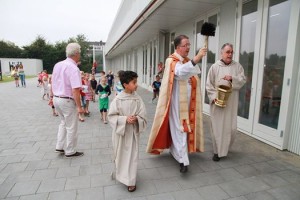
{"points": [[274, 61], [246, 54]]}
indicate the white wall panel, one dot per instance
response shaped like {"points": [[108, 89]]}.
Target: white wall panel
{"points": [[31, 66]]}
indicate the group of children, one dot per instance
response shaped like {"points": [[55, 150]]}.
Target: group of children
{"points": [[18, 72]]}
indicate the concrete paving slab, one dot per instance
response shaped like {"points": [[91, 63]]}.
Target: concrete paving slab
{"points": [[30, 169]]}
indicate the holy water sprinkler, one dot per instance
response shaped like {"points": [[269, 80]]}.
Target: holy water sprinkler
{"points": [[207, 29]]}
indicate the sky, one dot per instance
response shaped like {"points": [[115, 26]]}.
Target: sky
{"points": [[21, 21]]}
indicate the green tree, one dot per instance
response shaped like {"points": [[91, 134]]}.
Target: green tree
{"points": [[85, 59], [40, 49], [9, 50], [50, 54]]}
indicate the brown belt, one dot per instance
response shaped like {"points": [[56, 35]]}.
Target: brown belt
{"points": [[64, 97]]}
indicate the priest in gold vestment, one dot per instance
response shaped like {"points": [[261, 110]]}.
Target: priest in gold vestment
{"points": [[177, 123]]}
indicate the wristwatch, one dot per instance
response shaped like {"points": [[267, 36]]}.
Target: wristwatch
{"points": [[193, 62]]}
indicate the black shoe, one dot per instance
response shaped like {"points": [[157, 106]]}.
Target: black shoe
{"points": [[59, 151], [183, 169], [77, 154], [216, 158]]}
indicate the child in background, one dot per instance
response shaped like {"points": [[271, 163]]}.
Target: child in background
{"points": [[51, 97], [156, 86], [83, 90], [15, 75], [39, 79], [118, 86], [127, 118], [104, 91], [45, 88], [93, 83], [102, 74], [88, 94]]}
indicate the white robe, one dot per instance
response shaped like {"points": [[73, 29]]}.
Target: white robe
{"points": [[125, 137], [179, 139], [224, 120]]}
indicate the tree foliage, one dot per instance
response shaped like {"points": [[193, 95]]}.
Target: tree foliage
{"points": [[9, 50], [49, 53]]}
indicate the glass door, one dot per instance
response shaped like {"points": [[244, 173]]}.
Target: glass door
{"points": [[261, 49], [247, 53], [271, 71]]}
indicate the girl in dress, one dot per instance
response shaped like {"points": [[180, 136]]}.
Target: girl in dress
{"points": [[45, 88], [50, 103], [15, 75], [88, 94], [103, 90]]}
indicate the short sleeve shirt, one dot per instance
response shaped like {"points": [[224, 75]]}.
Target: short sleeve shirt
{"points": [[65, 77]]}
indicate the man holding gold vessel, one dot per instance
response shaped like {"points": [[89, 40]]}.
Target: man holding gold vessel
{"points": [[224, 116]]}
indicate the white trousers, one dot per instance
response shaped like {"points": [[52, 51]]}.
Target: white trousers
{"points": [[67, 135], [179, 139]]}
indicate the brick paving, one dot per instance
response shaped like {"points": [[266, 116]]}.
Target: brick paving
{"points": [[31, 170]]}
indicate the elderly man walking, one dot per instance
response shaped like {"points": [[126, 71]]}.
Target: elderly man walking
{"points": [[66, 85], [224, 119]]}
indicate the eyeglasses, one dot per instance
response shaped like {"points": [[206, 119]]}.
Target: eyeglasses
{"points": [[186, 45]]}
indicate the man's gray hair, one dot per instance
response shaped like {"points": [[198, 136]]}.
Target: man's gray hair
{"points": [[226, 44], [72, 49]]}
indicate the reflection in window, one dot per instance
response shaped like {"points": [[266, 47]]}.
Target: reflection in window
{"points": [[275, 54], [246, 54]]}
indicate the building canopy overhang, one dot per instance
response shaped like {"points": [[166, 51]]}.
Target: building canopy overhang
{"points": [[159, 15]]}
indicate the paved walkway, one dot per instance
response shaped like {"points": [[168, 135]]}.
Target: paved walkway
{"points": [[31, 170]]}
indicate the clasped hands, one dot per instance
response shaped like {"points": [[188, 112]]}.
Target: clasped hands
{"points": [[131, 119], [227, 78]]}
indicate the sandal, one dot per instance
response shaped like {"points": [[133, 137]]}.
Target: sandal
{"points": [[82, 120], [131, 188]]}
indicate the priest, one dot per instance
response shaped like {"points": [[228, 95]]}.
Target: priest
{"points": [[178, 122], [224, 119]]}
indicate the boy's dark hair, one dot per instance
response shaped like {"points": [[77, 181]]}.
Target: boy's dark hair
{"points": [[103, 72], [127, 76], [118, 73]]}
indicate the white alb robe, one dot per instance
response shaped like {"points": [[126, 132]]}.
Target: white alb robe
{"points": [[125, 137], [224, 120], [179, 139]]}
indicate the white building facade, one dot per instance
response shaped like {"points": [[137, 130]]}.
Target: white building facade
{"points": [[31, 66], [266, 39]]}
